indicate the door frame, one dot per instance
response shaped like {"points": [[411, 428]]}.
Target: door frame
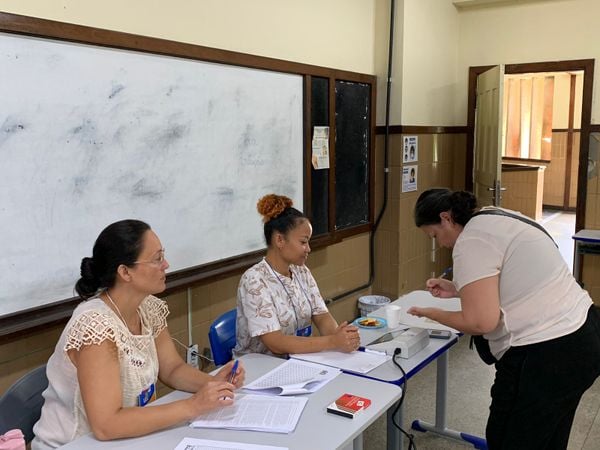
{"points": [[587, 66]]}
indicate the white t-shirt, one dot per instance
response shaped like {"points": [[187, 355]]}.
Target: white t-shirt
{"points": [[268, 301], [539, 298], [93, 321]]}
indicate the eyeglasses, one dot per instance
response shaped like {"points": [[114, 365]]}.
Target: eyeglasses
{"points": [[158, 261]]}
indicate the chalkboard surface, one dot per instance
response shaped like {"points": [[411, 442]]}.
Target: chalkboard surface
{"points": [[92, 135], [352, 137]]}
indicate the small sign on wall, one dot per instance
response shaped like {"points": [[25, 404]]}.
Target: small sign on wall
{"points": [[410, 149], [409, 178]]}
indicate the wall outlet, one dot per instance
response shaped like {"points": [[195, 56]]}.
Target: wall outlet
{"points": [[192, 356]]}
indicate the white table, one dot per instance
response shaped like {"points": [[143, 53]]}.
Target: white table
{"points": [[586, 242], [316, 429], [436, 350]]}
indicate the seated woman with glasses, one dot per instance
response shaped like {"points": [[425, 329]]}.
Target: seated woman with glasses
{"points": [[278, 298], [117, 345]]}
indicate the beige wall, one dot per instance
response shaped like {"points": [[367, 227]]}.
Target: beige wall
{"points": [[527, 32], [334, 33], [381, 54], [430, 64], [425, 65]]}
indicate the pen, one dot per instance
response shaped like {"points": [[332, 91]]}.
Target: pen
{"points": [[233, 371], [446, 272], [232, 374]]}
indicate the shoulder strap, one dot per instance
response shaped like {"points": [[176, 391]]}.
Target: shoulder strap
{"points": [[499, 212]]}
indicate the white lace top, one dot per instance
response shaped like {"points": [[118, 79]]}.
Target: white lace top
{"points": [[63, 415]]}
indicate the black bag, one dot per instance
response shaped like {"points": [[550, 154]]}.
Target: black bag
{"points": [[483, 349], [481, 344]]}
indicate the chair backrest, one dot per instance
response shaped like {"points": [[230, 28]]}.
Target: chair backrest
{"points": [[221, 336], [21, 404]]}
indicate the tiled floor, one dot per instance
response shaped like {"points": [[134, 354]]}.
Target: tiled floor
{"points": [[470, 381]]}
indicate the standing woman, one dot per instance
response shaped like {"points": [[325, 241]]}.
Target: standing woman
{"points": [[116, 346], [278, 298], [516, 290]]}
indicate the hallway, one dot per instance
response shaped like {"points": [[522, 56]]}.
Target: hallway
{"points": [[561, 226]]}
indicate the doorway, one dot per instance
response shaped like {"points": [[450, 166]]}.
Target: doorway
{"points": [[578, 189]]}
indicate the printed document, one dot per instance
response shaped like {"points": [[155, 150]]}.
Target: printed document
{"points": [[293, 377], [205, 444], [255, 413], [357, 362]]}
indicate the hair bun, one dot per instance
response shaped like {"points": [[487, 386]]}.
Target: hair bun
{"points": [[272, 205], [87, 269]]}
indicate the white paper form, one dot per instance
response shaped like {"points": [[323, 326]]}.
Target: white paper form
{"points": [[206, 444], [357, 362], [424, 299], [256, 413], [292, 378]]}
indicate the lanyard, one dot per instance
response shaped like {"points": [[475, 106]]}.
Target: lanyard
{"points": [[294, 277]]}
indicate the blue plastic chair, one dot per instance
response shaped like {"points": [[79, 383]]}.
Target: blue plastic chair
{"points": [[21, 404], [221, 336]]}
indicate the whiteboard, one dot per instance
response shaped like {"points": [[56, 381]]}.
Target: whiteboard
{"points": [[91, 135]]}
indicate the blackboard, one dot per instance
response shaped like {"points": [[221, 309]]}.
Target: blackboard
{"points": [[99, 126], [92, 135], [352, 143]]}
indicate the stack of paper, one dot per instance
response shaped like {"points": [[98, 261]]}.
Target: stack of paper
{"points": [[357, 362], [292, 378], [256, 413]]}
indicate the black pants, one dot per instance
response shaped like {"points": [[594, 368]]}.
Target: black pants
{"points": [[538, 387]]}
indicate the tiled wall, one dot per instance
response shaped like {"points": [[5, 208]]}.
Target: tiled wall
{"points": [[337, 268], [403, 253], [591, 263], [554, 178], [524, 191]]}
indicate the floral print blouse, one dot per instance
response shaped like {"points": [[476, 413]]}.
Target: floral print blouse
{"points": [[268, 301]]}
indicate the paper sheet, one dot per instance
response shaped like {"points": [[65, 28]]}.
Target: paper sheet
{"points": [[292, 378], [424, 299], [205, 444], [357, 362], [255, 413]]}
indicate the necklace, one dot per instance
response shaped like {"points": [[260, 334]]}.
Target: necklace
{"points": [[117, 310]]}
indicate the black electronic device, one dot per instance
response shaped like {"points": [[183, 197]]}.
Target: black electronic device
{"points": [[440, 334]]}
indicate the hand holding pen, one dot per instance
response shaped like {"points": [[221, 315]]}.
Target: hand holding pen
{"points": [[233, 372], [440, 287]]}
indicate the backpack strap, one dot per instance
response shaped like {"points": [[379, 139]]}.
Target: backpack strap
{"points": [[500, 212]]}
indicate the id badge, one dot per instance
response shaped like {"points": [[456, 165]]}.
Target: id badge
{"points": [[147, 395], [304, 332]]}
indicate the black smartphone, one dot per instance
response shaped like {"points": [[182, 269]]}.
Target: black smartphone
{"points": [[440, 334]]}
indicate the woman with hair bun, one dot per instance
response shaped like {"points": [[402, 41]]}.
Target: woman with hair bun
{"points": [[540, 328], [278, 298], [116, 346]]}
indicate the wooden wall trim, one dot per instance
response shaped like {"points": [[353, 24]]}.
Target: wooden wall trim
{"points": [[421, 129], [595, 128]]}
